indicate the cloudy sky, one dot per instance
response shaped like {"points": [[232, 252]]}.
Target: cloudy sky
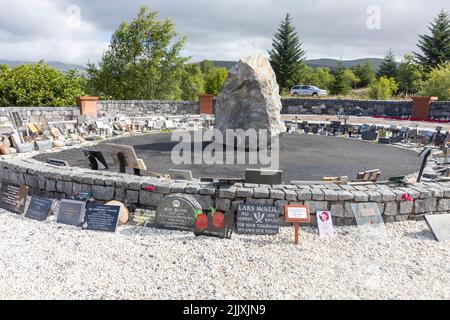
{"points": [[78, 31]]}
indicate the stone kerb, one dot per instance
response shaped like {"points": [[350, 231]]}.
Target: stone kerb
{"points": [[62, 182]]}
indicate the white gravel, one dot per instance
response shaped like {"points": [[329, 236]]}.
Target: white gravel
{"points": [[45, 260]]}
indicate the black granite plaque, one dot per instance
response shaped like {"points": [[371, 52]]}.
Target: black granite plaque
{"points": [[39, 208], [177, 212], [71, 212], [214, 224], [101, 218], [13, 197], [257, 219]]}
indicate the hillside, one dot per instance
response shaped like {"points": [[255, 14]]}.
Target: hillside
{"points": [[325, 62], [58, 65]]}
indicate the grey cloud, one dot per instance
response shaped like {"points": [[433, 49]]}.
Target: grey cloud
{"points": [[228, 29]]}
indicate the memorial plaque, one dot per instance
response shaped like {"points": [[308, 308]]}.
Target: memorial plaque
{"points": [[325, 224], [177, 211], [101, 218], [71, 212], [257, 219], [296, 214], [369, 219], [214, 224], [439, 225], [39, 208], [13, 197]]}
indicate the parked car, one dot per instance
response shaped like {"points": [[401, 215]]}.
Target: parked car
{"points": [[303, 90]]}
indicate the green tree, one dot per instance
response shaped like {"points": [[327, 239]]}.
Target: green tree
{"points": [[214, 80], [365, 74], [351, 78], [38, 85], [286, 55], [388, 67], [206, 66], [410, 76], [341, 84], [438, 83], [192, 82], [383, 88], [143, 61], [435, 48]]}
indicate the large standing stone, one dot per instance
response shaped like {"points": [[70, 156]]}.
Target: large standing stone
{"points": [[250, 98]]}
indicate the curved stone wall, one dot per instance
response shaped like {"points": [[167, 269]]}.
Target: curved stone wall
{"points": [[61, 182]]}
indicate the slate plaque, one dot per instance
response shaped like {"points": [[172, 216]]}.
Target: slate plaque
{"points": [[39, 208], [439, 225], [257, 219], [101, 218], [71, 212], [177, 212], [214, 224], [13, 197]]}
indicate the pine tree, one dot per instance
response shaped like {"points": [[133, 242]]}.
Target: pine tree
{"points": [[286, 55], [388, 67], [341, 84], [435, 47]]}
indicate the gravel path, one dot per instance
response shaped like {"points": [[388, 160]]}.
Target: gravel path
{"points": [[45, 260]]}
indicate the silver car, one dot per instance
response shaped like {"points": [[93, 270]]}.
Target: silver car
{"points": [[303, 90]]}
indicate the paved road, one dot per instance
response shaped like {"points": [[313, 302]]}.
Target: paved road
{"points": [[302, 157]]}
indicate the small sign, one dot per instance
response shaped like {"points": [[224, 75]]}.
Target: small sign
{"points": [[325, 224], [101, 218], [296, 214], [71, 212], [39, 208], [257, 219], [439, 225], [13, 197], [214, 224]]}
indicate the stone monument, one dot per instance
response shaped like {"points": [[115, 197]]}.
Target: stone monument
{"points": [[250, 99]]}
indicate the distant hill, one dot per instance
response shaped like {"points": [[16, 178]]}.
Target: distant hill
{"points": [[58, 65], [329, 63]]}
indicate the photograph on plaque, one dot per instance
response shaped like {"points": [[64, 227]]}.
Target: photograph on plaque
{"points": [[39, 208], [325, 224]]}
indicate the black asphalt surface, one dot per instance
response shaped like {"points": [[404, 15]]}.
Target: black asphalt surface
{"points": [[302, 157]]}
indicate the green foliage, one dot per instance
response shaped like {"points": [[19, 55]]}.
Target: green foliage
{"points": [[286, 55], [192, 82], [214, 80], [341, 83], [206, 66], [365, 74], [383, 88], [388, 67], [319, 77], [143, 61], [438, 83], [38, 85], [410, 76], [435, 48], [351, 78]]}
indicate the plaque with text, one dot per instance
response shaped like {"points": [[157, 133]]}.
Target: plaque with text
{"points": [[39, 208], [13, 197], [177, 211], [214, 224], [71, 212], [257, 219], [101, 218]]}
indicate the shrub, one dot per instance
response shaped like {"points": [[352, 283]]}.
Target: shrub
{"points": [[383, 88], [438, 83]]}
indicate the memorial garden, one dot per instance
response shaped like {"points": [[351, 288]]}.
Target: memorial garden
{"points": [[242, 195]]}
